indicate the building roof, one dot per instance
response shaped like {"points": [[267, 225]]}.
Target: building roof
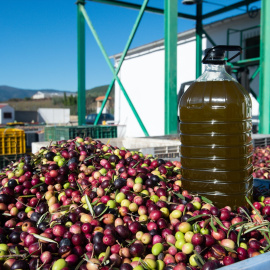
{"points": [[156, 45], [100, 98], [2, 105]]}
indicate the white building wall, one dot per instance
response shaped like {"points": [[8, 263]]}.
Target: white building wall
{"points": [[143, 79], [38, 95], [53, 116], [142, 75], [6, 109]]}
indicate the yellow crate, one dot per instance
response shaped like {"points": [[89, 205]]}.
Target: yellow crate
{"points": [[12, 141]]}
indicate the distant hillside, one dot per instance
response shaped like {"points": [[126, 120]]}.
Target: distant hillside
{"points": [[99, 91], [8, 92], [19, 99]]}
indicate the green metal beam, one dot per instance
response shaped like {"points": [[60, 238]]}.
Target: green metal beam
{"points": [[228, 8], [209, 38], [88, 21], [247, 62], [171, 121], [199, 39], [149, 9], [81, 63], [264, 93], [256, 72], [131, 36]]}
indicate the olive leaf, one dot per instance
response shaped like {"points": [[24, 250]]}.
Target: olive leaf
{"points": [[229, 249], [53, 223], [103, 211], [212, 225], [40, 267], [136, 164], [79, 186], [266, 248], [220, 223], [86, 258], [256, 211], [254, 228], [79, 264], [44, 238], [107, 254], [42, 218], [170, 244], [17, 250], [198, 216], [144, 265], [37, 185], [95, 202], [249, 218], [266, 237], [180, 196], [6, 214], [239, 235], [199, 257], [198, 262], [185, 210], [206, 200], [89, 206], [206, 222], [90, 157], [131, 242]]}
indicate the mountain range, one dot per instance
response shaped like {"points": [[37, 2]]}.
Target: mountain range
{"points": [[8, 92]]}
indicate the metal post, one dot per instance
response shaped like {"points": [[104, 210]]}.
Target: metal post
{"points": [[171, 120], [264, 93], [149, 9], [132, 34], [227, 8], [95, 35], [81, 63], [199, 40]]}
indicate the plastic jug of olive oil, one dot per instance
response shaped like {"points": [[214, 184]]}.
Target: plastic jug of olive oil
{"points": [[215, 133]]}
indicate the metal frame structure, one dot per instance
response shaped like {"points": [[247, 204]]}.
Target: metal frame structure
{"points": [[171, 15]]}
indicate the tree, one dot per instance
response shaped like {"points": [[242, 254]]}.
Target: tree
{"points": [[65, 99]]}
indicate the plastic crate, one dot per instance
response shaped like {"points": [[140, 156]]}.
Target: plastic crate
{"points": [[49, 133], [261, 187], [70, 132], [6, 159], [12, 141], [100, 132], [260, 140], [65, 133]]}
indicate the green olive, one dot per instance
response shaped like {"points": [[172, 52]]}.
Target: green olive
{"points": [[59, 264], [157, 248]]}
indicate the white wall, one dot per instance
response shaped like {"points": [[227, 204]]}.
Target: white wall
{"points": [[142, 75], [6, 109], [53, 116], [143, 79]]}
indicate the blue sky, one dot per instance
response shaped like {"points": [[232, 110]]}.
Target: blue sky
{"points": [[38, 47]]}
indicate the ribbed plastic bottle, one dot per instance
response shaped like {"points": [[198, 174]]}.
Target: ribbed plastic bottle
{"points": [[215, 133]]}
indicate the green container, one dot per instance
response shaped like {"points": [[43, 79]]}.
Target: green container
{"points": [[49, 133], [71, 132], [100, 132], [58, 133], [6, 159]]}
